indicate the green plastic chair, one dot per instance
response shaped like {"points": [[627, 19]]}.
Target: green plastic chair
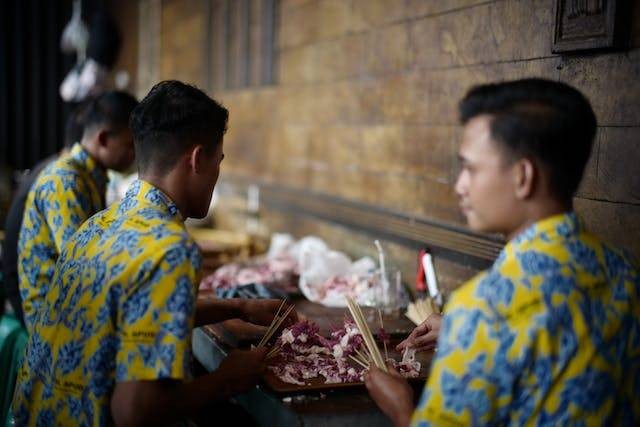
{"points": [[19, 348], [11, 331], [9, 326]]}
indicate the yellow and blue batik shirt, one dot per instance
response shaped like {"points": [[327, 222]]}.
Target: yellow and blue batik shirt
{"points": [[121, 308], [550, 335], [64, 195]]}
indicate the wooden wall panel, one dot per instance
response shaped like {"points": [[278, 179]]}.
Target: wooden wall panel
{"points": [[609, 175], [616, 223], [364, 107], [217, 45], [611, 81], [183, 41], [149, 49], [494, 32], [358, 244]]}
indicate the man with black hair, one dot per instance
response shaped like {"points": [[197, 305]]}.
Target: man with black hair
{"points": [[70, 190], [112, 341], [13, 223], [550, 334]]}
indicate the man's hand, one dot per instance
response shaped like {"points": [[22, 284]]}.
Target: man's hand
{"points": [[241, 370], [392, 394], [261, 312], [425, 336]]}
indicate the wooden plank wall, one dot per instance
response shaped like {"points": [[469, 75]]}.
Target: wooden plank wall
{"points": [[364, 107]]}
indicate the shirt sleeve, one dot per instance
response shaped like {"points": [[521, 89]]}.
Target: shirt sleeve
{"points": [[472, 376], [66, 208], [156, 318]]}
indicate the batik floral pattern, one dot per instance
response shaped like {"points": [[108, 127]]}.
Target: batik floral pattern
{"points": [[120, 308], [550, 335], [65, 194]]}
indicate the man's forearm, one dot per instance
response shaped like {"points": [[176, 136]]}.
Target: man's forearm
{"points": [[160, 402], [200, 392], [403, 419], [213, 310]]}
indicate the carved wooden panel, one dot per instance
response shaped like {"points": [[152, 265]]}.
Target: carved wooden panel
{"points": [[588, 24]]}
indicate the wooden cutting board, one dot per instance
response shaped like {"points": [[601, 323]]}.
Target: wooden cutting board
{"points": [[318, 384]]}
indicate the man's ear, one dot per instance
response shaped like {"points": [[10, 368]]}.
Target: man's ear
{"points": [[525, 175], [196, 159], [103, 137]]}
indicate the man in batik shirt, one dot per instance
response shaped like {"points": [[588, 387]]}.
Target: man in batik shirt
{"points": [[68, 191], [550, 334], [72, 134], [112, 341]]}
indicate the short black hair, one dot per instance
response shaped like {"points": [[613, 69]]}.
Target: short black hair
{"points": [[74, 126], [172, 119], [549, 121], [111, 109]]}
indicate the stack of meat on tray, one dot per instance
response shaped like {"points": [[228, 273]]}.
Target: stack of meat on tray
{"points": [[336, 288], [279, 272], [305, 354], [308, 266]]}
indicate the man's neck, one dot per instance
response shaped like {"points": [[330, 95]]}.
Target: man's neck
{"points": [[171, 185], [91, 148], [538, 212]]}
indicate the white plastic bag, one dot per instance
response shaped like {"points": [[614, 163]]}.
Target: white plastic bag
{"points": [[280, 242], [327, 276]]}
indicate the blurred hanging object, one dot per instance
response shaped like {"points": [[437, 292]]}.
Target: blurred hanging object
{"points": [[75, 35], [95, 56], [85, 79], [104, 39]]}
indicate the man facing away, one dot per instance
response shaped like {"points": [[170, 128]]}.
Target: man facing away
{"points": [[72, 134], [68, 191], [550, 334], [112, 341]]}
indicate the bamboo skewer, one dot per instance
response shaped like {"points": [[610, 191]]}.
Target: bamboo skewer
{"points": [[278, 324], [359, 362], [419, 310], [275, 325], [386, 354], [273, 352], [364, 356], [374, 351], [273, 322]]}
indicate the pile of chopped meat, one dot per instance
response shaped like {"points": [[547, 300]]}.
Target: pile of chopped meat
{"points": [[279, 272], [339, 287], [408, 367], [305, 354]]}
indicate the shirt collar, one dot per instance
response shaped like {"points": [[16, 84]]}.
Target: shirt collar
{"points": [[146, 194], [553, 228], [81, 157]]}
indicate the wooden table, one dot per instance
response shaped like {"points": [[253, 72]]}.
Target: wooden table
{"points": [[346, 407]]}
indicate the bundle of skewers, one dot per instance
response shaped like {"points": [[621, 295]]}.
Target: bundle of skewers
{"points": [[361, 355], [420, 309], [275, 325], [373, 352]]}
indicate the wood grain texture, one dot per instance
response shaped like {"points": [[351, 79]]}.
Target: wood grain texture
{"points": [[611, 82], [183, 47], [493, 32], [365, 105], [615, 223], [609, 176]]}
